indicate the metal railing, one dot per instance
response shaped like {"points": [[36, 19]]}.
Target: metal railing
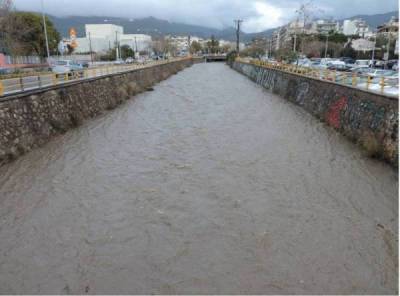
{"points": [[383, 85], [39, 80]]}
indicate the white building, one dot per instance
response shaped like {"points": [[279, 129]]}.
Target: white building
{"points": [[362, 45], [356, 27], [103, 37], [325, 26], [138, 42]]}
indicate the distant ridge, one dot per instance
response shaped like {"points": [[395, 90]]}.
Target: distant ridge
{"points": [[156, 27]]}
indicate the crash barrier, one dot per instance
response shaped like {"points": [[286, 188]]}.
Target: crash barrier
{"points": [[383, 85], [39, 80]]}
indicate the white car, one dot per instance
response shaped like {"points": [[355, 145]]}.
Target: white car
{"points": [[380, 73], [66, 67]]}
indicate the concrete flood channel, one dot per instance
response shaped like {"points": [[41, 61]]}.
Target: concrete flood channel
{"points": [[208, 184]]}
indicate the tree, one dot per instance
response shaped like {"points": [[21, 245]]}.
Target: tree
{"points": [[25, 35], [334, 37], [126, 52], [213, 45], [195, 47], [252, 51], [6, 7], [348, 51]]}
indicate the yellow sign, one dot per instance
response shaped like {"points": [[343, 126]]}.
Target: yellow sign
{"points": [[72, 36]]}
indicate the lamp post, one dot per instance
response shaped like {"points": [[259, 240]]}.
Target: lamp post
{"points": [[45, 31]]}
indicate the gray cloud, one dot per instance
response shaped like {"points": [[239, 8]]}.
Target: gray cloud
{"points": [[258, 14]]}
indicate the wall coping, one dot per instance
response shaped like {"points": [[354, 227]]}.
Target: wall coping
{"points": [[386, 96], [16, 96]]}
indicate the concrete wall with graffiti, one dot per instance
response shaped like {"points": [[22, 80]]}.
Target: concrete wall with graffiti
{"points": [[368, 119]]}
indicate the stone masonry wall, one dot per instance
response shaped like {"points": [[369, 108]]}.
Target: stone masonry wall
{"points": [[368, 119], [31, 119]]}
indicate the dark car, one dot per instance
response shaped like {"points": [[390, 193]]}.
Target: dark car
{"points": [[348, 60], [339, 67]]}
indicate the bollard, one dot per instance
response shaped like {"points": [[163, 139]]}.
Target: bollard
{"points": [[369, 79], [1, 88], [39, 81], [354, 79], [66, 77], [382, 84], [54, 78]]}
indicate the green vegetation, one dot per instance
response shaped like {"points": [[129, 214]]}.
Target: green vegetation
{"points": [[195, 47], [23, 34]]}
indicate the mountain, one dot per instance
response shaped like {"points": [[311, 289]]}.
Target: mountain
{"points": [[150, 25], [376, 19], [156, 27]]}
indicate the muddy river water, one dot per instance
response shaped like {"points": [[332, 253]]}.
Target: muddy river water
{"points": [[208, 184]]}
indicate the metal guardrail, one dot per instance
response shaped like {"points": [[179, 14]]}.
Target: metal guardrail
{"points": [[383, 85], [44, 79]]}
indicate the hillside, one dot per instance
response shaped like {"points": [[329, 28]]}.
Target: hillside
{"points": [[156, 27]]}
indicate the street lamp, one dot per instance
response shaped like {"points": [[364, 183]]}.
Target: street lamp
{"points": [[45, 31]]}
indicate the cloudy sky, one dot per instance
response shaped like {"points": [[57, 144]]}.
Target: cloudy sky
{"points": [[258, 14]]}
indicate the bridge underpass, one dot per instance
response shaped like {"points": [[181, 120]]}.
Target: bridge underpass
{"points": [[208, 184]]}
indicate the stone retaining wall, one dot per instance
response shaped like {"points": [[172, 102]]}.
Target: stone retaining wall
{"points": [[367, 118], [31, 119]]}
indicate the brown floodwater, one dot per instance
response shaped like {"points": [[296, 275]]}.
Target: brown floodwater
{"points": [[208, 184]]}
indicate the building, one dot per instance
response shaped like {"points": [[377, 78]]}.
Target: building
{"points": [[391, 27], [181, 43], [102, 37], [138, 42], [363, 45], [325, 26], [357, 27]]}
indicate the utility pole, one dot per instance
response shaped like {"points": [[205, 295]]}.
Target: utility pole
{"points": [[45, 31], [90, 48], [116, 45], [388, 49], [238, 23], [136, 51], [326, 45], [188, 44], [373, 51]]}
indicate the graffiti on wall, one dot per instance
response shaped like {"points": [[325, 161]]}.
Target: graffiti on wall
{"points": [[334, 113]]}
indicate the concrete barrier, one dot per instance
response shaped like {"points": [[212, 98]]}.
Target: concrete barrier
{"points": [[369, 119], [32, 118]]}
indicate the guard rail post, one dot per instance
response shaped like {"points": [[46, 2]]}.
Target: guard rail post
{"points": [[354, 80], [369, 79], [21, 83], [382, 84]]}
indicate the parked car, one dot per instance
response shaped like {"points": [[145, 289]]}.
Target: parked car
{"points": [[5, 71], [363, 63], [66, 67], [396, 67], [378, 64], [360, 69], [85, 64], [380, 73], [119, 62], [348, 61], [129, 60], [338, 67]]}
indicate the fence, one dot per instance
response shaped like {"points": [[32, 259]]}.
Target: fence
{"points": [[28, 60], [384, 85], [44, 79]]}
